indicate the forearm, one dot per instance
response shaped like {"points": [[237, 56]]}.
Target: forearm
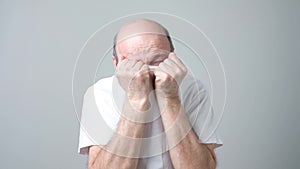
{"points": [[186, 151], [123, 149]]}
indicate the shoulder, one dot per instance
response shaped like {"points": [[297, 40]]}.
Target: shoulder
{"points": [[102, 85], [191, 85]]}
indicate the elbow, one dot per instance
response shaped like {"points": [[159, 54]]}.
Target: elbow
{"points": [[91, 165], [212, 162]]}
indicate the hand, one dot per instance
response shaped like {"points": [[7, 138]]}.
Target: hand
{"points": [[134, 78], [168, 77]]}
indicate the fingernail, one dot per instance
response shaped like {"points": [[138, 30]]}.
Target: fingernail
{"points": [[172, 54]]}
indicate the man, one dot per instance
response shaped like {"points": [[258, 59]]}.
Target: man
{"points": [[140, 46]]}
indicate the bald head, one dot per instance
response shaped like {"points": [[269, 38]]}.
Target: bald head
{"points": [[140, 27], [139, 35]]}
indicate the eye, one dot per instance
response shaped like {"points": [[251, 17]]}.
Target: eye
{"points": [[156, 63]]}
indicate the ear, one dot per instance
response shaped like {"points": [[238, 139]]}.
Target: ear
{"points": [[115, 63]]}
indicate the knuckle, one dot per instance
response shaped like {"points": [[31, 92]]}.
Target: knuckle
{"points": [[184, 69]]}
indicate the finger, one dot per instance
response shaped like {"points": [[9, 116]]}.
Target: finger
{"points": [[144, 67], [126, 64], [166, 69], [123, 62], [175, 59], [122, 65], [171, 63], [131, 63], [138, 65], [145, 71]]}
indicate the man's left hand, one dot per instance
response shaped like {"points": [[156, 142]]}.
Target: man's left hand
{"points": [[168, 77]]}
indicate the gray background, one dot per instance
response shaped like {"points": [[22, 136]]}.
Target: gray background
{"points": [[258, 42]]}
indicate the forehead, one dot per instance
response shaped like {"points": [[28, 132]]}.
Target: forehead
{"points": [[143, 43]]}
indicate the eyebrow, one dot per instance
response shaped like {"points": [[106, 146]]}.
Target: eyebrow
{"points": [[155, 53], [160, 53]]}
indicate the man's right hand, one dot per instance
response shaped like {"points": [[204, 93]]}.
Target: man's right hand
{"points": [[134, 77]]}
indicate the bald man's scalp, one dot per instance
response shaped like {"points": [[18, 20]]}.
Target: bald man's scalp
{"points": [[139, 27]]}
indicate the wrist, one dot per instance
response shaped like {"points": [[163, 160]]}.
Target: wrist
{"points": [[169, 107], [138, 101], [168, 102], [134, 112], [139, 105], [171, 112]]}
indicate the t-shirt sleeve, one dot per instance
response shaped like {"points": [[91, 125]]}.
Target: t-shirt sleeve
{"points": [[200, 113], [93, 129], [84, 142]]}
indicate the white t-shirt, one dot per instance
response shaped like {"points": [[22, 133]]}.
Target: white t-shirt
{"points": [[101, 113]]}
